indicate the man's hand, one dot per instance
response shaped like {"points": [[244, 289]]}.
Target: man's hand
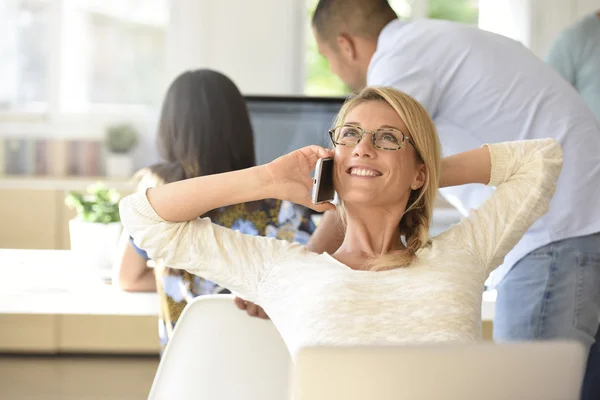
{"points": [[251, 309]]}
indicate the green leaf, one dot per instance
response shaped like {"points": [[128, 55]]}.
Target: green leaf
{"points": [[98, 204]]}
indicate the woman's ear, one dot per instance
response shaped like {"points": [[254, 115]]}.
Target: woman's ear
{"points": [[420, 177]]}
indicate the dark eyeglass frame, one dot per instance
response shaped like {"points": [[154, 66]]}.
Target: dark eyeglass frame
{"points": [[363, 133]]}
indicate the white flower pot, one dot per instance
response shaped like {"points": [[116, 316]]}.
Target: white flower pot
{"points": [[119, 165], [95, 245]]}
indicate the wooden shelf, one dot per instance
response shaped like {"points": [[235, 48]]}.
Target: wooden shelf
{"points": [[62, 183], [34, 214]]}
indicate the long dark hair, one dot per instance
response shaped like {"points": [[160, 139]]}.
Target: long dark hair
{"points": [[204, 128]]}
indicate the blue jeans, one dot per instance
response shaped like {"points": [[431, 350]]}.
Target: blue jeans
{"points": [[554, 293]]}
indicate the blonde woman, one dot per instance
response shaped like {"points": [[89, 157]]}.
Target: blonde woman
{"points": [[388, 283]]}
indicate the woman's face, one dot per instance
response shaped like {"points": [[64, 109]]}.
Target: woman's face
{"points": [[370, 176]]}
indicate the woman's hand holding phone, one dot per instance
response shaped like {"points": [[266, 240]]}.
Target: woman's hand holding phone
{"points": [[288, 177]]}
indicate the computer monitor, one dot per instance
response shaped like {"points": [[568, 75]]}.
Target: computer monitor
{"points": [[283, 124]]}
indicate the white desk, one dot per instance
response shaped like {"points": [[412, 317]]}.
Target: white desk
{"points": [[51, 303], [53, 282]]}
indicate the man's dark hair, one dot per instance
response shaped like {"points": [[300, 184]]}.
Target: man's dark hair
{"points": [[364, 18], [204, 128]]}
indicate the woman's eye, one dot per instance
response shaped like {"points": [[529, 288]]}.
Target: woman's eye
{"points": [[350, 133], [390, 137]]}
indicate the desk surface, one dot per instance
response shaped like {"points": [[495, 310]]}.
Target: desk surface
{"points": [[54, 282]]}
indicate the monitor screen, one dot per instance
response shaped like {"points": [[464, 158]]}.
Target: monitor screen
{"points": [[284, 124]]}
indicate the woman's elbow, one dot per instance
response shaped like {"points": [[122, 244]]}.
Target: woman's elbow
{"points": [[549, 156], [553, 151], [144, 282], [130, 272]]}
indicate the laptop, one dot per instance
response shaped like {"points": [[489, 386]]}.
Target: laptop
{"points": [[533, 370]]}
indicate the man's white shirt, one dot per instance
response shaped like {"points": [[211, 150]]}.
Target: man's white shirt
{"points": [[480, 88]]}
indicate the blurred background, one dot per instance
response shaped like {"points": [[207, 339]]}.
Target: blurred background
{"points": [[69, 68], [81, 82]]}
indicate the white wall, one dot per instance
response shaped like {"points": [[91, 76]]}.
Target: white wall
{"points": [[535, 23], [549, 17], [257, 43], [510, 18]]}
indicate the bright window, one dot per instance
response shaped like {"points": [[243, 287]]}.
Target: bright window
{"points": [[465, 11], [79, 56], [24, 61], [115, 52], [127, 60], [319, 80]]}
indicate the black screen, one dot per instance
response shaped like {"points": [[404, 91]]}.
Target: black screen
{"points": [[284, 124], [326, 191]]}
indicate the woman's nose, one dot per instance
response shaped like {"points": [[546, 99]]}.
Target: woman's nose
{"points": [[365, 147]]}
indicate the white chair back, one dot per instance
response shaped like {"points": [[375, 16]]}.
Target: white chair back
{"points": [[219, 352]]}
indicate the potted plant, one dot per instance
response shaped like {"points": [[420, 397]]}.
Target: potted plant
{"points": [[96, 229], [120, 140]]}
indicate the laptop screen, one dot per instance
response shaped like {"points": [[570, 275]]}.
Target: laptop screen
{"points": [[284, 124]]}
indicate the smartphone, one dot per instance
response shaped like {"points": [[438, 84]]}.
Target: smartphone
{"points": [[323, 182]]}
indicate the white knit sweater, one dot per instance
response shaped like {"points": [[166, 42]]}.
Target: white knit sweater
{"points": [[314, 299]]}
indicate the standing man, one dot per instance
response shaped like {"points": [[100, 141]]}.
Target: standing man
{"points": [[575, 54], [480, 87]]}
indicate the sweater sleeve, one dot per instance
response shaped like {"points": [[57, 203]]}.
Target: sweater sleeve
{"points": [[230, 258], [525, 175]]}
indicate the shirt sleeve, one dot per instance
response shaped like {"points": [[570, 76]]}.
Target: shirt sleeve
{"points": [[561, 59], [230, 258], [525, 175], [405, 75], [139, 251]]}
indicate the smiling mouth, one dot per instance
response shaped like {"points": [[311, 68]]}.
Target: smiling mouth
{"points": [[363, 172]]}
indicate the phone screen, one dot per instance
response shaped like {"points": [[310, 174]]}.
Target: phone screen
{"points": [[326, 191]]}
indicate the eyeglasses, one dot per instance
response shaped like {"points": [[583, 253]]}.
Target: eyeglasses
{"points": [[383, 138]]}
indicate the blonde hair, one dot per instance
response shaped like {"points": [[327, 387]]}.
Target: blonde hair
{"points": [[415, 222]]}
